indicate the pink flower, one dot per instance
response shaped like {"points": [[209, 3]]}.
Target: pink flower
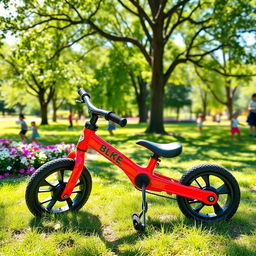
{"points": [[22, 170], [1, 177], [6, 174]]}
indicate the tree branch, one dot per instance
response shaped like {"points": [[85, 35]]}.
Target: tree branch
{"points": [[194, 38], [51, 93], [134, 83], [128, 9], [74, 8], [121, 39], [70, 44], [177, 61], [175, 8], [206, 81], [142, 12]]}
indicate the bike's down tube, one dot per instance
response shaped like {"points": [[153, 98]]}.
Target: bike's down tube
{"points": [[157, 182], [129, 167]]}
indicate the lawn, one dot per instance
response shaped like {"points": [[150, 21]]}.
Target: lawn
{"points": [[103, 226]]}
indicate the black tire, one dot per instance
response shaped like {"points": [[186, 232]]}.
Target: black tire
{"points": [[48, 182], [212, 178]]}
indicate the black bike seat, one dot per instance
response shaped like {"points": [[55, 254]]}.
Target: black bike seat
{"points": [[165, 150]]}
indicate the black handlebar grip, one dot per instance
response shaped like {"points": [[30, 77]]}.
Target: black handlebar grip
{"points": [[119, 120], [83, 93]]}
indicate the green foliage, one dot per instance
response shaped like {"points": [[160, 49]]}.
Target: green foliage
{"points": [[177, 96]]}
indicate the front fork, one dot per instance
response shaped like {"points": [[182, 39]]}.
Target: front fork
{"points": [[79, 157]]}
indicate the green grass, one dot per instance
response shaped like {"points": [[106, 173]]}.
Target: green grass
{"points": [[103, 226]]}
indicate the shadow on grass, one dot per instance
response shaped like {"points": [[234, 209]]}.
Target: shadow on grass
{"points": [[102, 170], [86, 224]]}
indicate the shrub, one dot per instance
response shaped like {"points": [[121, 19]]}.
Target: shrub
{"points": [[17, 157]]}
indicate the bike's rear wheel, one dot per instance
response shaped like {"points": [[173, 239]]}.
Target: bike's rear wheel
{"points": [[211, 178], [47, 184]]}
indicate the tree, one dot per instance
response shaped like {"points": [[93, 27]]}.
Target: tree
{"points": [[128, 61], [231, 62], [112, 90], [223, 89], [33, 70], [39, 69], [161, 21], [177, 96]]}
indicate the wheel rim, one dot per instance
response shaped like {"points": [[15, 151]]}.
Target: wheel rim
{"points": [[216, 183], [50, 188]]}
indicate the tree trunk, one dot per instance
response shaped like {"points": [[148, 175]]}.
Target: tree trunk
{"points": [[20, 107], [229, 102], [54, 108], [230, 109], [156, 108], [142, 100], [43, 110], [141, 92], [204, 107], [157, 83], [143, 112], [177, 113]]}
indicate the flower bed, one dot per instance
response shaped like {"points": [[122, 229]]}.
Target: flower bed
{"points": [[17, 157]]}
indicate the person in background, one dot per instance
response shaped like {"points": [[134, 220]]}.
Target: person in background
{"points": [[251, 120], [35, 133], [200, 119], [23, 126], [234, 127], [111, 127], [70, 119]]}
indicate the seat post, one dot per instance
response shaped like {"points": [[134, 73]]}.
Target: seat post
{"points": [[153, 162]]}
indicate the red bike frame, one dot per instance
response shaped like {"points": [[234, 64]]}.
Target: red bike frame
{"points": [[157, 182]]}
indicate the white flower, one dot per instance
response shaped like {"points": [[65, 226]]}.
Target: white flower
{"points": [[9, 168], [23, 160]]}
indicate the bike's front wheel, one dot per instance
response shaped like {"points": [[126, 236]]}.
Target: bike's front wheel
{"points": [[43, 193], [214, 178]]}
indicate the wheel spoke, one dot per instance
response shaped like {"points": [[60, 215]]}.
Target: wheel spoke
{"points": [[51, 204], [77, 191], [217, 209], [193, 201], [198, 183], [223, 189], [46, 183], [198, 208], [44, 190], [79, 183], [206, 179], [70, 203], [61, 176], [46, 200]]}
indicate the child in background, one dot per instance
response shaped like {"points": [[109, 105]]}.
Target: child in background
{"points": [[35, 133], [200, 119], [23, 126], [111, 127], [251, 120], [234, 127]]}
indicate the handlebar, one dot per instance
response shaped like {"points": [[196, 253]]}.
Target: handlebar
{"points": [[109, 115]]}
